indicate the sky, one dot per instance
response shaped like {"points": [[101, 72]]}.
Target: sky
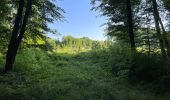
{"points": [[80, 20]]}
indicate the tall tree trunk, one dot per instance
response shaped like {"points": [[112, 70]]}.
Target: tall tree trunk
{"points": [[25, 20], [156, 18], [14, 44], [165, 35], [130, 24]]}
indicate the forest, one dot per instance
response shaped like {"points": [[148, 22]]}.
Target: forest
{"points": [[133, 63]]}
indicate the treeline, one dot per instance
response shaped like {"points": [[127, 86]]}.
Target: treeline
{"points": [[69, 42], [85, 42]]}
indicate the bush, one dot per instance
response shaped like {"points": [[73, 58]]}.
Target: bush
{"points": [[146, 68], [30, 59], [138, 68], [120, 59], [151, 70]]}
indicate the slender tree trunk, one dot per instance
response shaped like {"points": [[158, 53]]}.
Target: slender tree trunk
{"points": [[165, 37], [156, 18], [25, 20], [17, 34], [130, 24], [10, 53]]}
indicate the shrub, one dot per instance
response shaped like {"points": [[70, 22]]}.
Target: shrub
{"points": [[120, 59], [139, 68], [30, 59]]}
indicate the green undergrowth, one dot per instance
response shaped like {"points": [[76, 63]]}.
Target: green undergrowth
{"points": [[38, 75]]}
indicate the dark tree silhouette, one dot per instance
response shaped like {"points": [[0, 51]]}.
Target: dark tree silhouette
{"points": [[158, 30], [130, 24], [17, 33]]}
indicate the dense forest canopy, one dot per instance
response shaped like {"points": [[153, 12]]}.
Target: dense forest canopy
{"points": [[133, 63]]}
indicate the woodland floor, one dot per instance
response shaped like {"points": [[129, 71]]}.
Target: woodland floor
{"points": [[72, 77]]}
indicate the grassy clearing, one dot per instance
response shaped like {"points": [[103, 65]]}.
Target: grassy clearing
{"points": [[43, 76]]}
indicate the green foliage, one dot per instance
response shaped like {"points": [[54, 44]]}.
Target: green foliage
{"points": [[147, 68], [2, 61], [88, 75], [5, 19], [31, 59], [43, 13], [65, 76], [81, 68], [120, 59], [71, 44], [139, 68], [116, 12], [81, 43]]}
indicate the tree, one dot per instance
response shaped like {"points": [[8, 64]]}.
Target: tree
{"points": [[40, 12], [159, 35], [17, 33], [166, 4], [130, 24], [122, 18], [128, 16]]}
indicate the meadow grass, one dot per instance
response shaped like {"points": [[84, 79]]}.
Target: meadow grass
{"points": [[38, 75]]}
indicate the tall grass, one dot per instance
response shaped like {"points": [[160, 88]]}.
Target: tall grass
{"points": [[94, 75]]}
